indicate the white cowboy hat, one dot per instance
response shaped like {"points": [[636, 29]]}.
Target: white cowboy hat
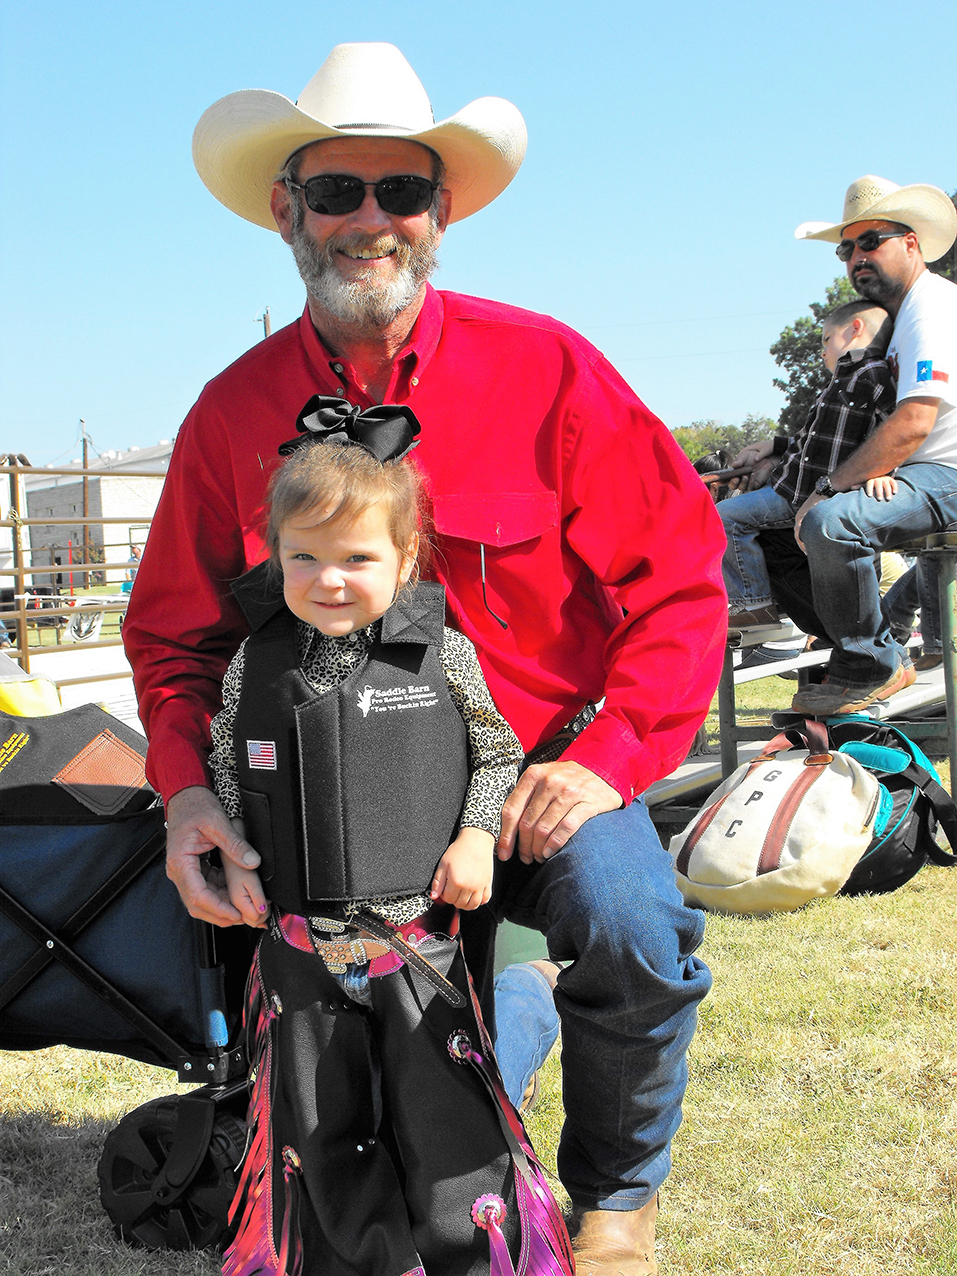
{"points": [[361, 90], [927, 210]]}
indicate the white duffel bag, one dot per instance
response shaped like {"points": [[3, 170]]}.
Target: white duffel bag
{"points": [[784, 829]]}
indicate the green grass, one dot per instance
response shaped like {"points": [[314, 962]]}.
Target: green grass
{"points": [[821, 1114], [820, 1119], [755, 702], [820, 1132]]}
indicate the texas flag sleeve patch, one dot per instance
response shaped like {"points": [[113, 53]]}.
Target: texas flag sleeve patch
{"points": [[927, 372], [261, 754]]}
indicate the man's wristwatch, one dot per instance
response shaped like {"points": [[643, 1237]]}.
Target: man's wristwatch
{"points": [[823, 487]]}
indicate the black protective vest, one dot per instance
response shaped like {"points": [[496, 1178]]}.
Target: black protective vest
{"points": [[356, 792]]}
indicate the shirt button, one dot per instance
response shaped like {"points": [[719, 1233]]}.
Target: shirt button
{"points": [[415, 380], [337, 367], [340, 389]]}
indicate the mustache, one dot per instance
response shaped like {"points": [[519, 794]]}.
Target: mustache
{"points": [[377, 245], [865, 266]]}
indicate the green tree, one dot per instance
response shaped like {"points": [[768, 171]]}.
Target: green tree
{"points": [[947, 265], [701, 437], [798, 352]]}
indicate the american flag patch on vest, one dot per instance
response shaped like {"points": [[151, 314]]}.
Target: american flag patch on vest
{"points": [[261, 754]]}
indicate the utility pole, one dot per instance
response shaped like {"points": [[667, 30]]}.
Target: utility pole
{"points": [[266, 323], [18, 503], [86, 503]]}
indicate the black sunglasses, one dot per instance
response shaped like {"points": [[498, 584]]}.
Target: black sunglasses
{"points": [[866, 242], [337, 193]]}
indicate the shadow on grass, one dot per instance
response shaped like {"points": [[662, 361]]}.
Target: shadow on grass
{"points": [[52, 1222]]}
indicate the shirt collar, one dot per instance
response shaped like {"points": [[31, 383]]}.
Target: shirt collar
{"points": [[411, 361], [859, 353]]}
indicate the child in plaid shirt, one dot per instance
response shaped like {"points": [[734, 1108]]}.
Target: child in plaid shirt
{"points": [[860, 395]]}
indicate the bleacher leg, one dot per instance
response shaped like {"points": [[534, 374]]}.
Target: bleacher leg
{"points": [[947, 562], [727, 717]]}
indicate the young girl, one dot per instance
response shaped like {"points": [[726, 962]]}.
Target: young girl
{"points": [[360, 749]]}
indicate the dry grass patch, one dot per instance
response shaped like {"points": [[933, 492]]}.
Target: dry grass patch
{"points": [[820, 1122], [56, 1107]]}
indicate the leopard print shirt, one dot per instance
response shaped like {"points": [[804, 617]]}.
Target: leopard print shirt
{"points": [[495, 753]]}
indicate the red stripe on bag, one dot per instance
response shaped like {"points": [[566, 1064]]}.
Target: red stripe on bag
{"points": [[683, 858], [774, 841]]}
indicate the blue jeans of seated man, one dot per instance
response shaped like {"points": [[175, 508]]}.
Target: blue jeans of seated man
{"points": [[745, 517], [608, 904], [842, 536], [916, 591]]}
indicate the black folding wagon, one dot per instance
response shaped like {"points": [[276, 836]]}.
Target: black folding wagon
{"points": [[98, 952]]}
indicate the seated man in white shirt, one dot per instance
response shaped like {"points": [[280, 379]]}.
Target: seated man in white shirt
{"points": [[886, 236]]}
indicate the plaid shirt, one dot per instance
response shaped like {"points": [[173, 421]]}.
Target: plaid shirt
{"points": [[860, 396]]}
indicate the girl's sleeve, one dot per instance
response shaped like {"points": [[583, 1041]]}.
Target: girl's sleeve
{"points": [[494, 749], [222, 760]]}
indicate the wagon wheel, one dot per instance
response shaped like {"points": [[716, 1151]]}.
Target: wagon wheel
{"points": [[133, 1156]]}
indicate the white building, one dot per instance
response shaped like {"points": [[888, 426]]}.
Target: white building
{"points": [[111, 493]]}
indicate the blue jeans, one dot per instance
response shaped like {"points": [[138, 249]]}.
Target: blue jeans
{"points": [[524, 1003], [608, 904], [745, 517], [842, 536], [916, 591]]}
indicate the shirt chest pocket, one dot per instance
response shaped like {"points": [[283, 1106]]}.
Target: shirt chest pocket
{"points": [[495, 519], [510, 526]]}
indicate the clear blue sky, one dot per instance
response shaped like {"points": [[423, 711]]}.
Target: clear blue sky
{"points": [[672, 150]]}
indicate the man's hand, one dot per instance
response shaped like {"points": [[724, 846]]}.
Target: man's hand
{"points": [[753, 453], [550, 803], [759, 475], [809, 504], [195, 823], [760, 456]]}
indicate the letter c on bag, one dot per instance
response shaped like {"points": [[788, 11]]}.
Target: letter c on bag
{"points": [[731, 828]]}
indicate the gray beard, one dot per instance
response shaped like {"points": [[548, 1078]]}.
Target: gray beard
{"points": [[365, 301]]}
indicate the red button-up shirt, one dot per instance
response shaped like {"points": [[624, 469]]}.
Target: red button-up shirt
{"points": [[601, 547]]}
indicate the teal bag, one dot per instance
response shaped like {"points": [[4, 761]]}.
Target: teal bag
{"points": [[912, 805]]}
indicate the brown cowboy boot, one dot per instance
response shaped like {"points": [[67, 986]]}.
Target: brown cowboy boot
{"points": [[617, 1242]]}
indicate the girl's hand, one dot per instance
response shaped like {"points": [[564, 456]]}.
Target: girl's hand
{"points": [[244, 887], [464, 875], [882, 489]]}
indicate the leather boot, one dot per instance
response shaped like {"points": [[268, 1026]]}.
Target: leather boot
{"points": [[617, 1242]]}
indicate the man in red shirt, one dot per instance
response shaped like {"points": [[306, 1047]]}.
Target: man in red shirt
{"points": [[580, 554]]}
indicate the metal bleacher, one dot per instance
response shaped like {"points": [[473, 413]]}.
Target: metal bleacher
{"points": [[921, 711]]}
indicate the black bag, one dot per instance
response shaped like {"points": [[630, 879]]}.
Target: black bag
{"points": [[913, 803]]}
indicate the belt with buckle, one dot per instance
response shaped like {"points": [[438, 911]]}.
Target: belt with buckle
{"points": [[374, 938], [349, 949]]}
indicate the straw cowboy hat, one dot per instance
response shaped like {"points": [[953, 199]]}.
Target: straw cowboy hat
{"points": [[361, 90], [926, 210]]}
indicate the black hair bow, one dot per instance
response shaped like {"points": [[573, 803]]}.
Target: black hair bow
{"points": [[388, 431]]}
